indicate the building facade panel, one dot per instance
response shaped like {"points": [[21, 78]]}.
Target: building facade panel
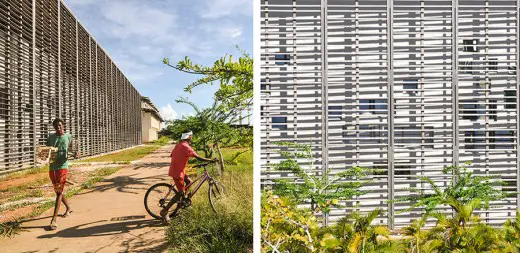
{"points": [[405, 87], [50, 66]]}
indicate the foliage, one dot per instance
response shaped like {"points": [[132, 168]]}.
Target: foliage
{"points": [[286, 228], [512, 232], [199, 229], [323, 190], [235, 79], [417, 234], [356, 234], [163, 140], [463, 232], [464, 187], [10, 229]]}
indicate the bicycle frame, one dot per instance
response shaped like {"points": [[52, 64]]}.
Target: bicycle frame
{"points": [[205, 177]]}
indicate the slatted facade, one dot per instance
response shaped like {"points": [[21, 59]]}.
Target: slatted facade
{"points": [[50, 66], [406, 87]]}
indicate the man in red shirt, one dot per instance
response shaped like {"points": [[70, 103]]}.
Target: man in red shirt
{"points": [[179, 158]]}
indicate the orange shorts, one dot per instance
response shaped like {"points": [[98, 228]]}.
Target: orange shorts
{"points": [[58, 178], [182, 183]]}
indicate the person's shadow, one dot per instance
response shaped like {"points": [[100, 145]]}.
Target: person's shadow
{"points": [[88, 230]]}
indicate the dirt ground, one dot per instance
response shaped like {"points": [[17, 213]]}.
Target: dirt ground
{"points": [[109, 217]]}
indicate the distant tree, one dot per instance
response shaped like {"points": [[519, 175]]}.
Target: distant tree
{"points": [[212, 130], [235, 79]]}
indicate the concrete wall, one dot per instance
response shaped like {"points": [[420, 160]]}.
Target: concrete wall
{"points": [[150, 126]]}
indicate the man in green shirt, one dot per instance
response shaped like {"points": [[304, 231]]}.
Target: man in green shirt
{"points": [[59, 166]]}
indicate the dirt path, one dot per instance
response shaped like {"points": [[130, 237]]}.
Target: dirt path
{"points": [[109, 217]]}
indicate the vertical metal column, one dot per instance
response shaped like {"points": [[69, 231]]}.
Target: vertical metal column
{"points": [[77, 120], [60, 108], [35, 139], [455, 80], [324, 97], [390, 102], [517, 102]]}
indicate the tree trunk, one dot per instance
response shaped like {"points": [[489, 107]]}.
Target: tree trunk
{"points": [[221, 159]]}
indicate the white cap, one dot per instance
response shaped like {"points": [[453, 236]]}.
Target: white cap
{"points": [[186, 135]]}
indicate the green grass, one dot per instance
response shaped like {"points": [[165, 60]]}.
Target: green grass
{"points": [[199, 229], [23, 173], [125, 155], [161, 141]]}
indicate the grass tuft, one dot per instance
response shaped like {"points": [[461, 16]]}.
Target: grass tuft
{"points": [[10, 229], [125, 155], [199, 229]]}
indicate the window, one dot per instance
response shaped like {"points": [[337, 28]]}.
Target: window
{"points": [[493, 110], [402, 170], [470, 45], [511, 70], [411, 86], [493, 64], [263, 84], [335, 112], [371, 134], [282, 59], [510, 99], [374, 106], [474, 139], [502, 139], [466, 67], [279, 123], [471, 110], [509, 184], [411, 135]]}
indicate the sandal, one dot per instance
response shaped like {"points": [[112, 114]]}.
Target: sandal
{"points": [[53, 225], [165, 218], [67, 213]]}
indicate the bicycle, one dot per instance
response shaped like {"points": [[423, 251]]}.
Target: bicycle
{"points": [[159, 195]]}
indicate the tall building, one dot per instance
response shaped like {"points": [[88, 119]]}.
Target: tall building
{"points": [[50, 66], [407, 87]]}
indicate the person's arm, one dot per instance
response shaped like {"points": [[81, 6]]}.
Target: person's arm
{"points": [[192, 153], [205, 159]]}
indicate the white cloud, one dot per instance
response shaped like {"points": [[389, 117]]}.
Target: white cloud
{"points": [[168, 113], [222, 8]]}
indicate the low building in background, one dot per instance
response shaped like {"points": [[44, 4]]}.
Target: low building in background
{"points": [[150, 119]]}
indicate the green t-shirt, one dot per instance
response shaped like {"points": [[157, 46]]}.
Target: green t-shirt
{"points": [[62, 143]]}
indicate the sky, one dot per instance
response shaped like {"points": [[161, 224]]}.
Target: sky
{"points": [[138, 34]]}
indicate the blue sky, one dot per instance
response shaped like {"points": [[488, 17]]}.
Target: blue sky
{"points": [[138, 34]]}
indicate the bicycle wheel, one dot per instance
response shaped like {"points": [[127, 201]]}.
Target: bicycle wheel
{"points": [[216, 196], [157, 197]]}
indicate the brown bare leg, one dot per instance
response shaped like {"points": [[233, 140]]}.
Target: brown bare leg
{"points": [[57, 205]]}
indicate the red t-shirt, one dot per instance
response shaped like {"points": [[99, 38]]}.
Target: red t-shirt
{"points": [[180, 155]]}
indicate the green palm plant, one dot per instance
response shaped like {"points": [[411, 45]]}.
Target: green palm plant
{"points": [[357, 235], [464, 186], [463, 231], [416, 233], [512, 232]]}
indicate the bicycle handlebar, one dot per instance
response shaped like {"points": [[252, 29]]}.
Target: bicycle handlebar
{"points": [[202, 165]]}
